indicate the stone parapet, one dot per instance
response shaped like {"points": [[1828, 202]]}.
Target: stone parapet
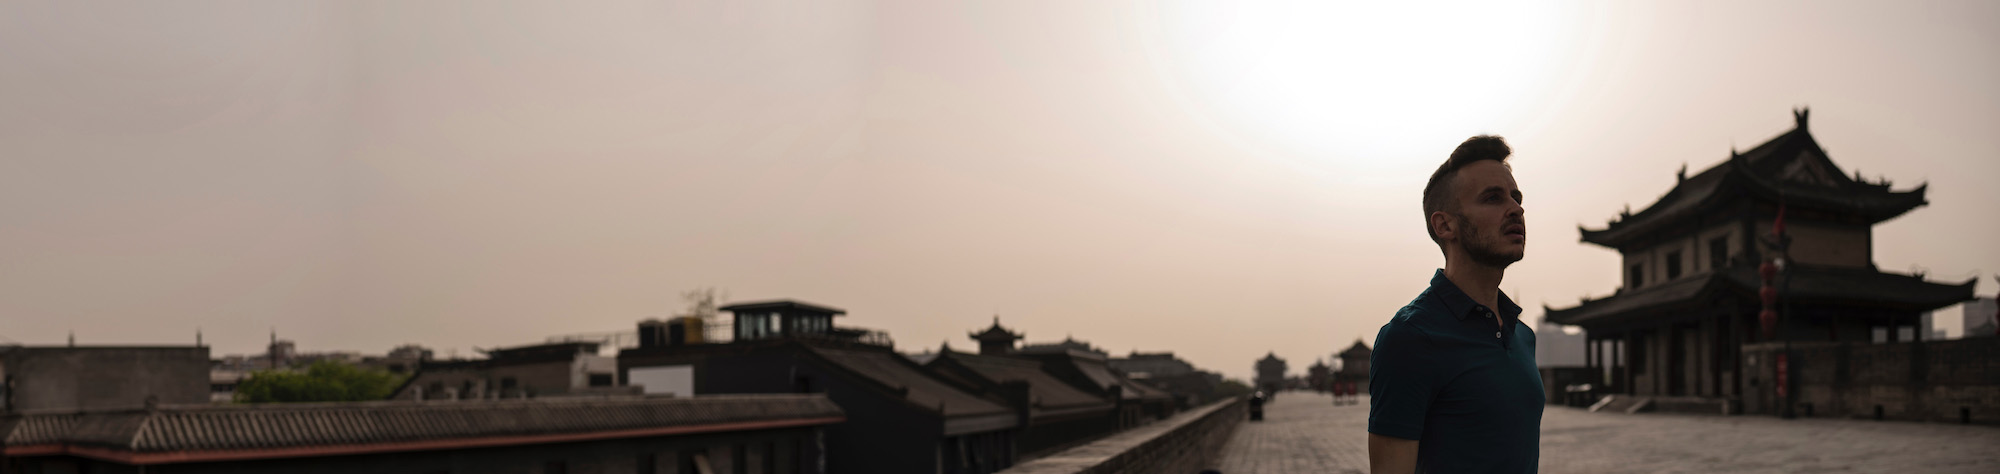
{"points": [[1188, 442]]}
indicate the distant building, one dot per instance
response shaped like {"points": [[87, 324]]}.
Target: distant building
{"points": [[1271, 373], [51, 379], [1190, 389], [1058, 414], [543, 370], [1067, 344], [724, 434], [1144, 365], [1688, 309], [1138, 402], [900, 416], [403, 359]]}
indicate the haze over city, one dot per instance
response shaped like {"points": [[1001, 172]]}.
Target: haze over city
{"points": [[1217, 181]]}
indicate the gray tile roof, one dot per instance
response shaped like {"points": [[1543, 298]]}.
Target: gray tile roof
{"points": [[1853, 287], [1047, 390], [1767, 171], [924, 389], [241, 427]]}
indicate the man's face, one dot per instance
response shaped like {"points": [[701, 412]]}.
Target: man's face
{"points": [[1492, 228]]}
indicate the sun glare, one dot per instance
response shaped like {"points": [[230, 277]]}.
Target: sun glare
{"points": [[1354, 80]]}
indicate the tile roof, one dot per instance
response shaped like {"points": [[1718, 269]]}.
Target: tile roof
{"points": [[898, 373], [274, 426], [1852, 287], [1047, 391], [1792, 165]]}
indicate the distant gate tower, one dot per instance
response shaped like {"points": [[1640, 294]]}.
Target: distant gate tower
{"points": [[1271, 373]]}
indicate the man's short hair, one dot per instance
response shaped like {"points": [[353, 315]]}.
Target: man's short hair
{"points": [[1437, 193]]}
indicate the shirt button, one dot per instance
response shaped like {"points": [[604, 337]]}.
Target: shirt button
{"points": [[1496, 334]]}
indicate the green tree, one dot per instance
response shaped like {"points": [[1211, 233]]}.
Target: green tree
{"points": [[323, 381]]}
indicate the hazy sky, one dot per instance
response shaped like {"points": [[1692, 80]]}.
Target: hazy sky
{"points": [[1218, 181]]}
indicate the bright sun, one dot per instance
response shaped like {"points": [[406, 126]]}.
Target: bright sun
{"points": [[1355, 80]]}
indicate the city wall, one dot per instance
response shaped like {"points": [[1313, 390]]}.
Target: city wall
{"points": [[1942, 381], [1188, 442]]}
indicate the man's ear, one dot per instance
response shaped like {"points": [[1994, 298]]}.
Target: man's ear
{"points": [[1443, 226]]}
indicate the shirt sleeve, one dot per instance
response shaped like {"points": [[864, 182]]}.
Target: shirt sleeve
{"points": [[1400, 381]]}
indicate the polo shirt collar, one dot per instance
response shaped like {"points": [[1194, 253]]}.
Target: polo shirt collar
{"points": [[1460, 305]]}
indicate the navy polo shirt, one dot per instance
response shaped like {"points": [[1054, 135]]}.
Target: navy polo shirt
{"points": [[1466, 388]]}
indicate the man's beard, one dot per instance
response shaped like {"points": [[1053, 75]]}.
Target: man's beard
{"points": [[1483, 247]]}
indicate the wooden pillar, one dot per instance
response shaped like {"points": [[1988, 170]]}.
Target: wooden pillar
{"points": [[1707, 362], [1590, 356], [1625, 358], [1740, 337]]}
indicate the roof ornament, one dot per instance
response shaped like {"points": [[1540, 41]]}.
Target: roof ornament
{"points": [[1800, 114], [1627, 212], [1682, 175]]}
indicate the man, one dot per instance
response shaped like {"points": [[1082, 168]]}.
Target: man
{"points": [[1452, 382]]}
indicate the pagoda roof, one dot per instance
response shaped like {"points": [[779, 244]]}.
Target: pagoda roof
{"points": [[996, 333], [1851, 287], [1790, 167], [1359, 349]]}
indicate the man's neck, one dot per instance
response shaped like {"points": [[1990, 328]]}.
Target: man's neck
{"points": [[1480, 282]]}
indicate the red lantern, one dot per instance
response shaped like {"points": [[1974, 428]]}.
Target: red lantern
{"points": [[1769, 319], [1768, 270]]}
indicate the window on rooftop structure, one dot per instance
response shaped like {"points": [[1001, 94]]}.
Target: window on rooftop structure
{"points": [[1718, 252], [1673, 265], [1636, 277], [600, 380]]}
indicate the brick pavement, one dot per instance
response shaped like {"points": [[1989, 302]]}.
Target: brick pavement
{"points": [[1305, 432]]}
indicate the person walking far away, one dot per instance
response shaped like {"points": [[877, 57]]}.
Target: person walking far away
{"points": [[1452, 383]]}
